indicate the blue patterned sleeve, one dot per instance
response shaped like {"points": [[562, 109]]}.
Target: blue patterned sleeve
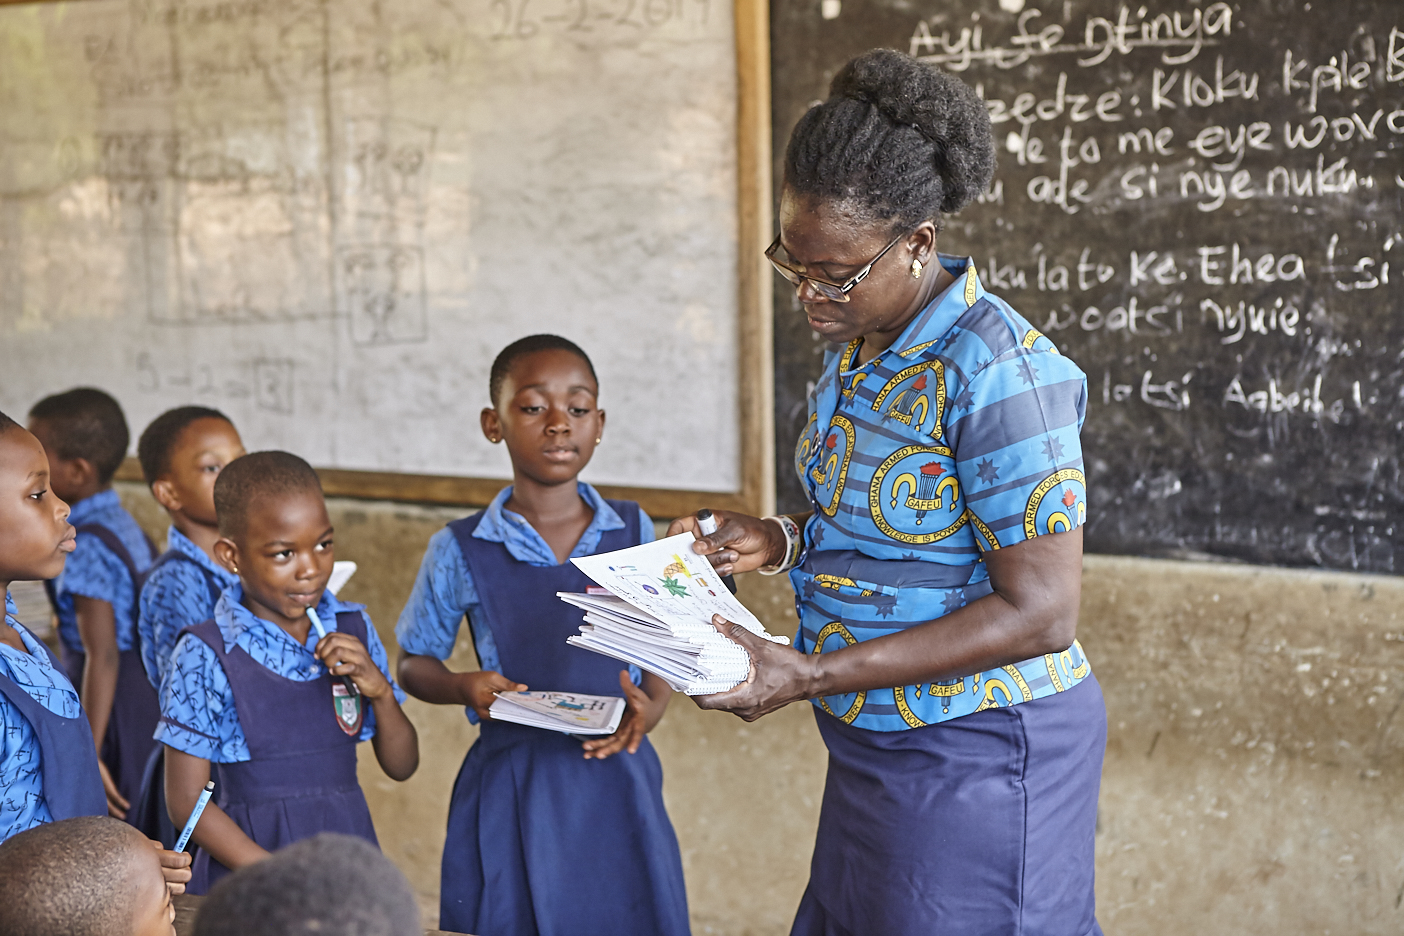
{"points": [[197, 706], [174, 597], [443, 593], [21, 780], [92, 570], [1018, 452]]}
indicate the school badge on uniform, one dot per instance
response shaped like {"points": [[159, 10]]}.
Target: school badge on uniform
{"points": [[347, 705]]}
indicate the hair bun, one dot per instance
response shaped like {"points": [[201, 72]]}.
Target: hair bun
{"points": [[938, 105]]}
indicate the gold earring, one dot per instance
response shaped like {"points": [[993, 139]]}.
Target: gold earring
{"points": [[916, 269]]}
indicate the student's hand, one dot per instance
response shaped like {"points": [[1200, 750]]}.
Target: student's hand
{"points": [[175, 867], [117, 804], [344, 655], [641, 714], [742, 543], [480, 688]]}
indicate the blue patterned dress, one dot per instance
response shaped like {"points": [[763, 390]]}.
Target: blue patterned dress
{"points": [[961, 805]]}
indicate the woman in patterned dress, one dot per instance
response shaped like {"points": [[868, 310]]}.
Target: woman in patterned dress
{"points": [[939, 573]]}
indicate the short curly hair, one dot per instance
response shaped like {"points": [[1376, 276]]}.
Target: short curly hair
{"points": [[86, 423], [326, 884], [160, 437], [502, 365], [897, 142], [75, 876], [257, 478]]}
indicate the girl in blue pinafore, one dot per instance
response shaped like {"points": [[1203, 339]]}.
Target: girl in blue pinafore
{"points": [[48, 762], [255, 700], [546, 835]]}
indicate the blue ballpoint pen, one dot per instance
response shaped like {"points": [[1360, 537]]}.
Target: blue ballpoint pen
{"points": [[200, 804], [322, 634]]}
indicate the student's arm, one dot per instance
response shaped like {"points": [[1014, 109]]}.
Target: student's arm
{"points": [[396, 743], [97, 628], [646, 705], [216, 833], [429, 680]]}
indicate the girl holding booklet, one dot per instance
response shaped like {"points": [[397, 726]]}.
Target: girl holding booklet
{"points": [[546, 834]]}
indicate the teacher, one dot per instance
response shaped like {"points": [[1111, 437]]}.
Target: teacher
{"points": [[939, 574]]}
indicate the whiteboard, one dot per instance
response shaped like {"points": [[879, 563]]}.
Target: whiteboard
{"points": [[325, 219]]}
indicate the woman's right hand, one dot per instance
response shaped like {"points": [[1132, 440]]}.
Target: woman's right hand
{"points": [[480, 688], [742, 543]]}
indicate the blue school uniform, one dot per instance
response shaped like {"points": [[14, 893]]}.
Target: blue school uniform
{"points": [[240, 692], [541, 840], [48, 766], [109, 560], [958, 439], [180, 590]]}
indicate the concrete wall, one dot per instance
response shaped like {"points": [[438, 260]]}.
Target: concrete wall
{"points": [[1252, 772]]}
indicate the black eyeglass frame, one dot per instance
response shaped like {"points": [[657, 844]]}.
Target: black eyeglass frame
{"points": [[835, 292]]}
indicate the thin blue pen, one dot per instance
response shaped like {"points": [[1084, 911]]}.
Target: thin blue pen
{"points": [[200, 804]]}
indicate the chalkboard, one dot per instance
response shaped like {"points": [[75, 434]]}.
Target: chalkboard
{"points": [[327, 218], [1200, 203]]}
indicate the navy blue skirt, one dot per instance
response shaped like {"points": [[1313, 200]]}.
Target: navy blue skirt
{"points": [[542, 842], [981, 826]]}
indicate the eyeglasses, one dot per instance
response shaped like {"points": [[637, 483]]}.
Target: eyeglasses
{"points": [[834, 292]]}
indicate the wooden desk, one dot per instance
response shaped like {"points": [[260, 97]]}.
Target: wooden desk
{"points": [[186, 906]]}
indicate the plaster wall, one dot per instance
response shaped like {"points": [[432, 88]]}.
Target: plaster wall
{"points": [[1252, 779]]}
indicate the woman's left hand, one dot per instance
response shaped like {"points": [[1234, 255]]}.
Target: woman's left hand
{"points": [[779, 675]]}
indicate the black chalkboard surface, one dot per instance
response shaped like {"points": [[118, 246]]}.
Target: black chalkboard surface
{"points": [[1203, 205]]}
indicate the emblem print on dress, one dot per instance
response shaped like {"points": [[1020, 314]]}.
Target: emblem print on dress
{"points": [[914, 402], [835, 629], [831, 471], [1065, 511], [909, 485], [809, 438]]}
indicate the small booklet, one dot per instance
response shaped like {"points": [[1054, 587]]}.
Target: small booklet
{"points": [[569, 712], [656, 612]]}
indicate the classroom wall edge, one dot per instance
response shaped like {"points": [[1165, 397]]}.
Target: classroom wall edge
{"points": [[755, 306]]}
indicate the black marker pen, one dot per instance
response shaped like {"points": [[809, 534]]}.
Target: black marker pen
{"points": [[707, 524]]}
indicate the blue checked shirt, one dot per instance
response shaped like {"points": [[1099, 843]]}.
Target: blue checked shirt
{"points": [[444, 590], [175, 596], [197, 703], [960, 438], [22, 803], [94, 571]]}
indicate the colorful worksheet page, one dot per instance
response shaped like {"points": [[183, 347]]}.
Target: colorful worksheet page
{"points": [[669, 581]]}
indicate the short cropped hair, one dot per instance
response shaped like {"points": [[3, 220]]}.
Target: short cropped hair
{"points": [[86, 423], [6, 424], [72, 877], [327, 884], [502, 365], [262, 475], [157, 440]]}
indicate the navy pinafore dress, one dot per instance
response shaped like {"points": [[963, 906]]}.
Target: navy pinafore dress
{"points": [[541, 840], [131, 725], [148, 812], [301, 778], [72, 784]]}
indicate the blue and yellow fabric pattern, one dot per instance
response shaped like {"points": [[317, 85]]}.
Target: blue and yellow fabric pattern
{"points": [[960, 438]]}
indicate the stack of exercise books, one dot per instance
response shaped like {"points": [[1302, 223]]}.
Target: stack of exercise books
{"points": [[654, 609]]}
